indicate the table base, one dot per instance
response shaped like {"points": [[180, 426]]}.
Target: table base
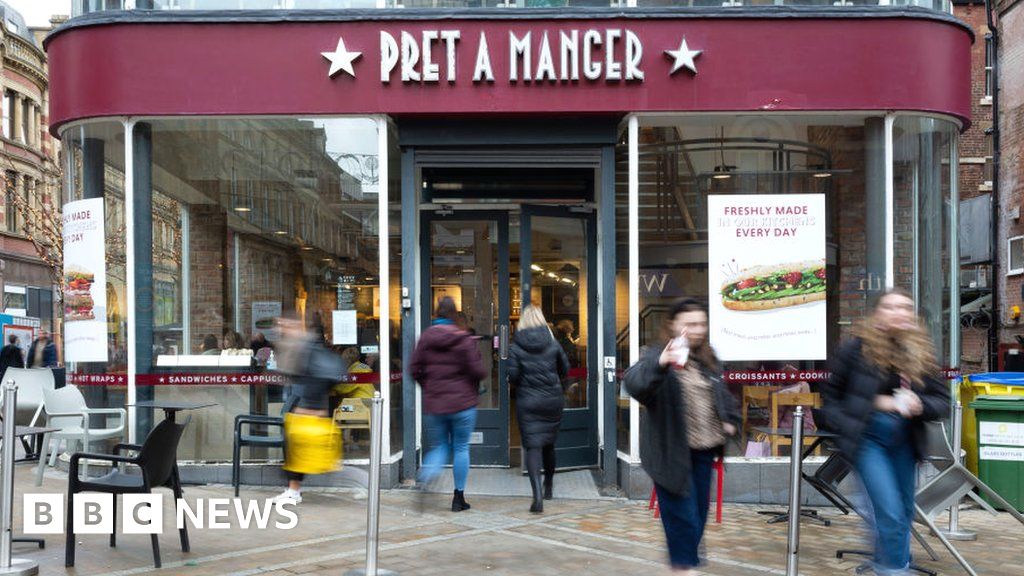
{"points": [[20, 567], [784, 516]]}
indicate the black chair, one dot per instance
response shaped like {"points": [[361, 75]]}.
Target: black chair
{"points": [[247, 434], [156, 459]]}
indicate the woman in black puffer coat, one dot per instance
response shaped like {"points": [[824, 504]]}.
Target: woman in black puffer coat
{"points": [[537, 364]]}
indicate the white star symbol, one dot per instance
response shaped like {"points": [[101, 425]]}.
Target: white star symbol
{"points": [[341, 59], [683, 57]]}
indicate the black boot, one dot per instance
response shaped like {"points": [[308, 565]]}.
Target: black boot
{"points": [[549, 480], [459, 501], [538, 493]]}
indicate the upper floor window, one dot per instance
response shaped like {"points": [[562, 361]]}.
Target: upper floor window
{"points": [[10, 205], [989, 65], [8, 128], [12, 26]]}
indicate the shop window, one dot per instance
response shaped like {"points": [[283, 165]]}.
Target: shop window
{"points": [[15, 300], [254, 220], [1015, 256]]}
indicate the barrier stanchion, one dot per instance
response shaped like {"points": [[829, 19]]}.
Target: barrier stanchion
{"points": [[10, 566], [954, 532], [795, 477], [373, 496]]}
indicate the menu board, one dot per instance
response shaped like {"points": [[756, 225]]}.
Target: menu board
{"points": [[767, 277]]}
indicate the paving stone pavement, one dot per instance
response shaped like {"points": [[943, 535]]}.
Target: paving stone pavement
{"points": [[498, 536]]}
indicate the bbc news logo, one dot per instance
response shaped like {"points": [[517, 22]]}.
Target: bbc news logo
{"points": [[144, 514]]}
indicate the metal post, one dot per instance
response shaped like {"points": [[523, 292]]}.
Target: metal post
{"points": [[795, 477], [954, 532], [9, 566], [373, 496]]}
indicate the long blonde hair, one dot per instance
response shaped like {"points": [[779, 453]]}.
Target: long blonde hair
{"points": [[532, 317], [911, 353]]}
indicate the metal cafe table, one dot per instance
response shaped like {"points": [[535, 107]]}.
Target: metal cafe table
{"points": [[25, 432], [170, 410], [819, 436]]}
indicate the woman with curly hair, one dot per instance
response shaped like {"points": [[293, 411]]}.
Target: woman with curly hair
{"points": [[883, 388]]}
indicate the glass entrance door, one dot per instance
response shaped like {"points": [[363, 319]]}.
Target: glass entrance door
{"points": [[558, 257], [468, 260]]}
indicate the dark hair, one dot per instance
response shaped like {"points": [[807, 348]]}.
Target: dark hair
{"points": [[703, 354], [446, 308], [12, 339], [210, 342]]}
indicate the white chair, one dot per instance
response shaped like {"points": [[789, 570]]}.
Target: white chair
{"points": [[66, 409], [31, 384]]}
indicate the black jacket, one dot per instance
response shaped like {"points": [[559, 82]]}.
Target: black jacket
{"points": [[11, 357], [664, 449], [848, 400], [536, 366]]}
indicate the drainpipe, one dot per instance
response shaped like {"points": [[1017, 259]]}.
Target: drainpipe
{"points": [[997, 320]]}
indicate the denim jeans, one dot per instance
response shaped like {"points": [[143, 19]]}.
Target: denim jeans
{"points": [[448, 435], [684, 517], [887, 468]]}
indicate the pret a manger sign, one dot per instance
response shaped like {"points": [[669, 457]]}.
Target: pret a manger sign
{"points": [[530, 56]]}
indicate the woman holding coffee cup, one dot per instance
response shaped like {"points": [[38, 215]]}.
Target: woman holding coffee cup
{"points": [[689, 414], [883, 387]]}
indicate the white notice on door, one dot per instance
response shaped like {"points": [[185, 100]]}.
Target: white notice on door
{"points": [[1002, 433]]}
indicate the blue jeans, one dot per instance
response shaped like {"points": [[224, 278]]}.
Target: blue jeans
{"points": [[887, 468], [684, 517], [449, 434]]}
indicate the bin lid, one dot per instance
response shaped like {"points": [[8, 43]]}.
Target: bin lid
{"points": [[1008, 403], [1007, 378]]}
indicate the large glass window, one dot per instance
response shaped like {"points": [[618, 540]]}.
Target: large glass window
{"points": [[924, 174], [94, 168], [685, 163], [252, 220]]}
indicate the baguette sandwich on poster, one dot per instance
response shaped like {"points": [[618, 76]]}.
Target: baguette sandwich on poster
{"points": [[78, 302], [775, 286]]}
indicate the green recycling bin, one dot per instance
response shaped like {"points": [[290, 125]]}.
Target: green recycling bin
{"points": [[1000, 428]]}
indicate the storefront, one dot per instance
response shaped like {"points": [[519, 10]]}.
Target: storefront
{"points": [[353, 166]]}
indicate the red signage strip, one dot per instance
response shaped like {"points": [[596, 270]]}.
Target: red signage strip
{"points": [[510, 66], [210, 379], [778, 376]]}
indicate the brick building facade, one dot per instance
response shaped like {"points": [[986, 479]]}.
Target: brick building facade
{"points": [[28, 155]]}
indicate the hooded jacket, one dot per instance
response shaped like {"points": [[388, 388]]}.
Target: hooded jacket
{"points": [[448, 367], [537, 365]]}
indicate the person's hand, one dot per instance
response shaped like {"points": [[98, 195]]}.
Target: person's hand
{"points": [[913, 403], [675, 351], [730, 430]]}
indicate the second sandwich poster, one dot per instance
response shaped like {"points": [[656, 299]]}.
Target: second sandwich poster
{"points": [[766, 274]]}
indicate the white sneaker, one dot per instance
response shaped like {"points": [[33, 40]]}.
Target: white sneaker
{"points": [[289, 495]]}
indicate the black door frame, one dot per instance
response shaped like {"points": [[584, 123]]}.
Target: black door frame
{"points": [[493, 424], [601, 133], [573, 419]]}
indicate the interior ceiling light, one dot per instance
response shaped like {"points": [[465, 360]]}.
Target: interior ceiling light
{"points": [[536, 268], [243, 209], [567, 280], [552, 275], [281, 232], [823, 175]]}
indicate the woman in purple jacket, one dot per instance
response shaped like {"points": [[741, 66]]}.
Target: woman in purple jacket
{"points": [[448, 367]]}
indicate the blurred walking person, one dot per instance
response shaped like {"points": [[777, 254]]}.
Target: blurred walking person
{"points": [[448, 367], [312, 441], [689, 415], [11, 355], [43, 353], [537, 365], [883, 388]]}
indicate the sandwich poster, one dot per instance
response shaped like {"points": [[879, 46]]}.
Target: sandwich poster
{"points": [[766, 275], [85, 285]]}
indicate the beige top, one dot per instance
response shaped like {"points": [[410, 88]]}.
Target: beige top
{"points": [[703, 426]]}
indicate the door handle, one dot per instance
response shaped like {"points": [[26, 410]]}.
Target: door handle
{"points": [[503, 342]]}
